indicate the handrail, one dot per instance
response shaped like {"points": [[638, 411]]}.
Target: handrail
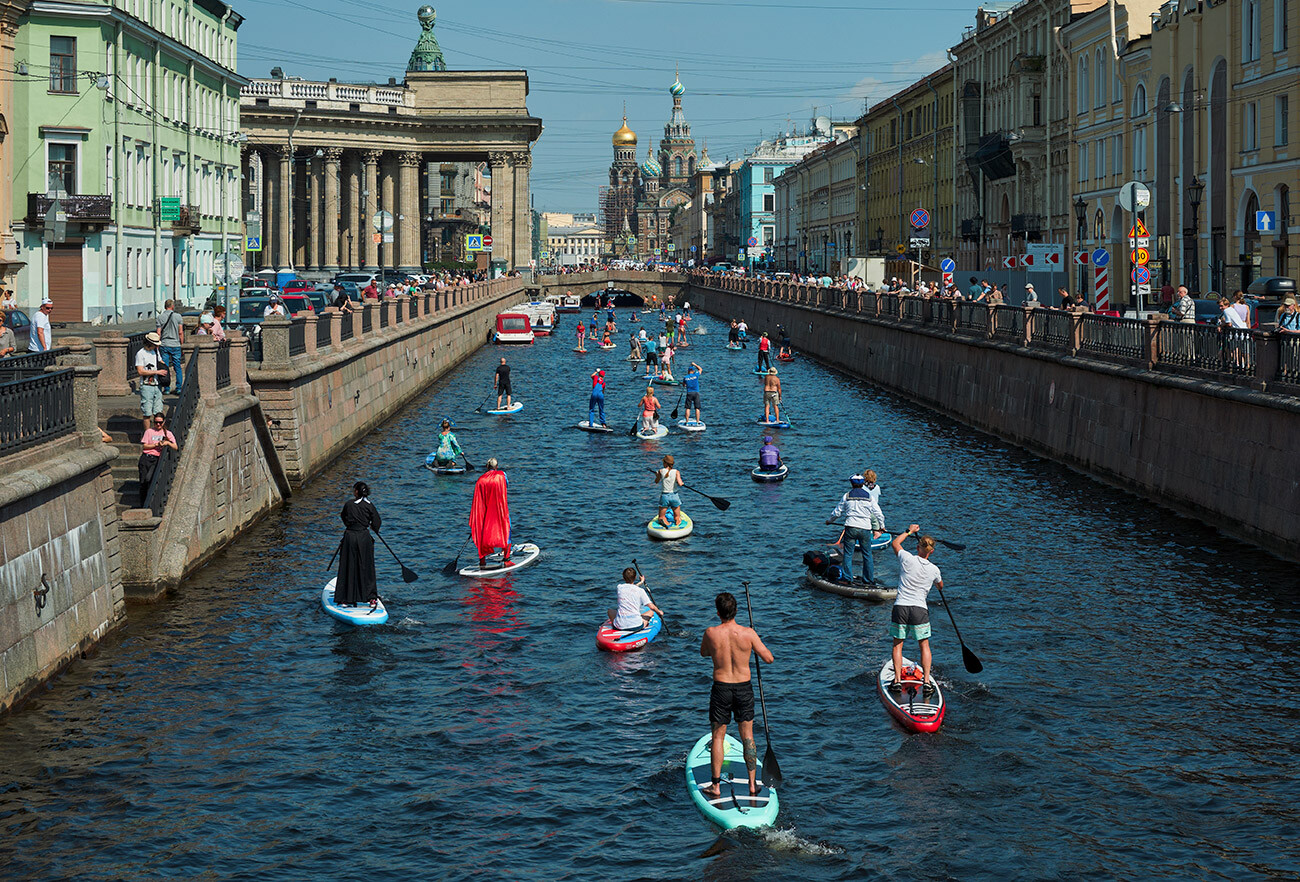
{"points": [[35, 406]]}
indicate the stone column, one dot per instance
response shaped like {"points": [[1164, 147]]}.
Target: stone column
{"points": [[369, 202], [311, 247], [332, 315], [309, 328], [284, 213], [350, 227], [502, 192], [85, 400], [408, 228], [110, 354], [332, 209], [388, 203], [238, 361], [523, 215], [275, 342], [204, 360], [372, 307]]}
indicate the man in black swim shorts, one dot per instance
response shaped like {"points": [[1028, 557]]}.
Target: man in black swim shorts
{"points": [[729, 645]]}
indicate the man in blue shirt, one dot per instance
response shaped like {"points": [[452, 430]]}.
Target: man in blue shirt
{"points": [[651, 355], [691, 382], [769, 458]]}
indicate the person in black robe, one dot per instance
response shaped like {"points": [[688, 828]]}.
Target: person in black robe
{"points": [[355, 582]]}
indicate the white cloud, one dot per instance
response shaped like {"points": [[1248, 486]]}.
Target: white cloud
{"points": [[874, 89]]}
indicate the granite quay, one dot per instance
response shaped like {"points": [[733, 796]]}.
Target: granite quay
{"points": [[1195, 418]]}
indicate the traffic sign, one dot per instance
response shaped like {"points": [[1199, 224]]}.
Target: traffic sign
{"points": [[1134, 196], [487, 243], [631, 240], [919, 242], [252, 243], [1265, 222], [1101, 287], [1027, 260], [1048, 254], [692, 249], [920, 219], [473, 242], [671, 247], [1081, 258], [382, 221], [1141, 275], [753, 240], [948, 265], [1141, 257], [169, 209], [947, 279], [377, 237], [1100, 257], [1010, 262], [1138, 230], [1143, 241]]}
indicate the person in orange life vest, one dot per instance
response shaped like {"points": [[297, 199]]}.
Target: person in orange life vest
{"points": [[489, 516]]}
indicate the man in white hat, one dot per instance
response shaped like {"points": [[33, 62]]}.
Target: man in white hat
{"points": [[149, 370], [42, 337], [1031, 296]]}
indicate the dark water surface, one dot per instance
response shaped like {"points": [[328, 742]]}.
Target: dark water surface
{"points": [[1136, 717]]}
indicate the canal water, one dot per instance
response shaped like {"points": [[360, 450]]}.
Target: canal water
{"points": [[1136, 716]]}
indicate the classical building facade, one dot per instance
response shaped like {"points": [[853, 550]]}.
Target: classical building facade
{"points": [[574, 245], [908, 146], [818, 224], [345, 174], [11, 12], [129, 113]]}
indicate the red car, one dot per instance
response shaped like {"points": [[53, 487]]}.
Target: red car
{"points": [[296, 303], [294, 285]]}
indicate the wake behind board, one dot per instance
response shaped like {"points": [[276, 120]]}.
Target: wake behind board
{"points": [[506, 411], [860, 591], [773, 424], [593, 427], [691, 425], [735, 807], [660, 431], [431, 463], [910, 707], [611, 639], [764, 476], [521, 555], [657, 529], [360, 615]]}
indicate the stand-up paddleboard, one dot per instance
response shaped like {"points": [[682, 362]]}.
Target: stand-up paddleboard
{"points": [[881, 541], [879, 593], [660, 431], [361, 614], [691, 425], [734, 346], [579, 349], [765, 476], [657, 529], [773, 424], [431, 463], [593, 427], [635, 357], [521, 555], [735, 807], [761, 372], [913, 710], [610, 346], [611, 639], [660, 381], [506, 411], [785, 358]]}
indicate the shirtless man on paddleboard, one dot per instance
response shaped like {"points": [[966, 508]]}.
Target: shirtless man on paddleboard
{"points": [[729, 645]]}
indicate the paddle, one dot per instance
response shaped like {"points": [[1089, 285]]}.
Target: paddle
{"points": [[968, 658], [408, 574], [673, 415], [770, 767], [955, 546], [451, 568], [479, 409], [720, 503], [652, 597], [468, 464], [330, 565]]}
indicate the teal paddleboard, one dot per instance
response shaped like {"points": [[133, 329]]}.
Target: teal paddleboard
{"points": [[735, 807]]}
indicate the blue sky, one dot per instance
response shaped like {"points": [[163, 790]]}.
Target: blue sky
{"points": [[751, 67]]}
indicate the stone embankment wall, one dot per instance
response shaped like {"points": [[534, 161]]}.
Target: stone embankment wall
{"points": [[1219, 450]]}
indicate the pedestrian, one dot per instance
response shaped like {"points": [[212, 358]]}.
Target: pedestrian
{"points": [[729, 644], [976, 290], [342, 302], [41, 338], [274, 306], [669, 480], [764, 345], [171, 334], [691, 383], [863, 521], [1241, 307], [448, 447], [355, 581], [7, 300], [8, 345], [206, 320], [1288, 317], [156, 437], [1031, 296], [911, 616], [1067, 302], [489, 516], [219, 323], [649, 411], [501, 382], [597, 400], [771, 397], [1184, 308], [152, 372], [633, 607]]}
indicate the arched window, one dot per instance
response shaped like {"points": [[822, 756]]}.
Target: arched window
{"points": [[690, 164], [1139, 131], [1081, 100], [677, 166], [1099, 96]]}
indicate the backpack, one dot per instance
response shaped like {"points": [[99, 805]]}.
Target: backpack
{"points": [[815, 561]]}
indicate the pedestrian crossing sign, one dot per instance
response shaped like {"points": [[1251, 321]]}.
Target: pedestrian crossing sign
{"points": [[252, 243], [474, 242]]}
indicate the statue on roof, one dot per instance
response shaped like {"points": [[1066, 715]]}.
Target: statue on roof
{"points": [[426, 55]]}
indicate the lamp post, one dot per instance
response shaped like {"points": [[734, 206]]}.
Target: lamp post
{"points": [[880, 239], [1195, 190], [351, 264], [826, 261], [1081, 215]]}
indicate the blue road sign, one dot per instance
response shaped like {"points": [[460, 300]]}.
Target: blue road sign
{"points": [[1265, 221], [252, 243], [920, 219], [692, 248], [753, 241], [1141, 275], [948, 265], [803, 253], [1100, 257]]}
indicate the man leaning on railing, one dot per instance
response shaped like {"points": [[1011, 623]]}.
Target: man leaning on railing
{"points": [[1288, 317]]}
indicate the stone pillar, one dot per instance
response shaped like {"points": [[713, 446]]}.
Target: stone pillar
{"points": [[310, 320], [275, 342], [204, 360], [502, 191], [85, 400], [1268, 354], [335, 318], [284, 213], [369, 202], [1029, 326], [332, 209], [372, 308], [312, 243], [110, 354], [1076, 333], [408, 226], [523, 216], [238, 360], [388, 202], [393, 307], [355, 317], [352, 232]]}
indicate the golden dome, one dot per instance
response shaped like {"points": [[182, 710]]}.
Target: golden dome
{"points": [[624, 137]]}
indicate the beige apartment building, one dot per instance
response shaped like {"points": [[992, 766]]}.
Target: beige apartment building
{"points": [[818, 222]]}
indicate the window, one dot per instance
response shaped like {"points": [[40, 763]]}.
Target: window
{"points": [[767, 174], [769, 236], [769, 202], [1249, 31], [63, 64], [1281, 121], [109, 270], [1279, 25], [1251, 127], [1117, 155], [1038, 109], [61, 168], [1083, 162], [1140, 151], [1099, 93], [1082, 78]]}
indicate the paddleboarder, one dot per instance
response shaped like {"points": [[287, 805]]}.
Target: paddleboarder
{"points": [[730, 644], [743, 330], [771, 396], [597, 400], [448, 448], [649, 411], [489, 516], [733, 333], [582, 337], [861, 517], [651, 355], [872, 487], [764, 346], [501, 382], [785, 342], [769, 457], [911, 616], [691, 383], [355, 580], [630, 598], [669, 480]]}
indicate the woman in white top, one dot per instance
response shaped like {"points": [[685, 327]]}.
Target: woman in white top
{"points": [[669, 479]]}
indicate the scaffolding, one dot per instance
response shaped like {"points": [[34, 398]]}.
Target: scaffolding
{"points": [[617, 209]]}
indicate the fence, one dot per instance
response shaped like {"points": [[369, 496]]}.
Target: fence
{"points": [[297, 337], [366, 321], [223, 364], [1009, 323], [34, 360], [1288, 361], [323, 338], [1048, 327], [972, 318], [1118, 337], [35, 406], [169, 461], [134, 344]]}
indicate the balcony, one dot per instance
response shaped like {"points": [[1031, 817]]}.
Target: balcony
{"points": [[189, 222], [1025, 224], [86, 210]]}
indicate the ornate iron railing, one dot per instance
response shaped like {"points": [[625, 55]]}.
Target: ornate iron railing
{"points": [[35, 406], [1111, 336], [1288, 358], [323, 337], [973, 318], [35, 360], [1050, 327], [134, 344], [223, 364], [913, 309], [1009, 323], [346, 327], [366, 321], [297, 337]]}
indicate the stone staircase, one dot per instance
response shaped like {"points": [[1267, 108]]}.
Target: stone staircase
{"points": [[120, 417]]}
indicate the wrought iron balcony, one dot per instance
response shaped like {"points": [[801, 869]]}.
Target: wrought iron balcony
{"points": [[82, 209], [189, 222]]}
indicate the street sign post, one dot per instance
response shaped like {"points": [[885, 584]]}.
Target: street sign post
{"points": [[487, 243], [1265, 222], [1134, 196]]}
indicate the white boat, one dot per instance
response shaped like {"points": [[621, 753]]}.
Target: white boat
{"points": [[541, 315], [513, 327], [564, 302]]}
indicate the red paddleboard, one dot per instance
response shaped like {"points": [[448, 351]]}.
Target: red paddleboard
{"points": [[914, 711]]}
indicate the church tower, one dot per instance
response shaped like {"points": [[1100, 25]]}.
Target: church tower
{"points": [[677, 150], [624, 184]]}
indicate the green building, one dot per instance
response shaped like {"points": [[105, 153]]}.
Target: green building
{"points": [[126, 115]]}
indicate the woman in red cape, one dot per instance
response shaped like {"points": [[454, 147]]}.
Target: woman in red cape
{"points": [[489, 517]]}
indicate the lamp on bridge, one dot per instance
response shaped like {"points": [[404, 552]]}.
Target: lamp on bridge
{"points": [[1081, 215], [1196, 190]]}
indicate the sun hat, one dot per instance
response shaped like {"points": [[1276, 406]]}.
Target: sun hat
{"points": [[153, 338], [771, 370], [767, 439], [1290, 301]]}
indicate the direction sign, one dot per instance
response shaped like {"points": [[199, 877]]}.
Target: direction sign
{"points": [[920, 219], [1141, 275], [947, 279], [1027, 260], [753, 240], [1010, 262], [169, 209], [948, 265], [1265, 222], [252, 243], [631, 240], [919, 242], [1100, 257], [692, 249], [1081, 258], [1141, 257], [473, 242], [234, 265], [1134, 196]]}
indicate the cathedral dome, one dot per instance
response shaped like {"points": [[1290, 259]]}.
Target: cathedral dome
{"points": [[624, 137], [677, 89], [650, 168]]}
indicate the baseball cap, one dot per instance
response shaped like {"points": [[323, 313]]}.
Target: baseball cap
{"points": [[1029, 287], [1290, 301], [767, 439], [47, 302]]}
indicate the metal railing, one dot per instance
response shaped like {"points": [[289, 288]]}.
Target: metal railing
{"points": [[35, 406], [383, 313], [868, 302], [1050, 327], [134, 344], [913, 309], [345, 328], [223, 364], [35, 360], [887, 304], [255, 345], [1288, 358], [169, 461], [1009, 323], [973, 318], [941, 312], [366, 321], [1187, 345], [297, 337], [1115, 337], [323, 338]]}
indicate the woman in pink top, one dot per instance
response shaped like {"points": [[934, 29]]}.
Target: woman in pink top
{"points": [[155, 438], [218, 330]]}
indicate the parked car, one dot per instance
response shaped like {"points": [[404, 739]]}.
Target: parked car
{"points": [[294, 286], [259, 291], [359, 279], [17, 321], [296, 303], [319, 299], [352, 289]]}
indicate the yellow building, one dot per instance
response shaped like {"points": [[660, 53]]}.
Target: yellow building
{"points": [[908, 144]]}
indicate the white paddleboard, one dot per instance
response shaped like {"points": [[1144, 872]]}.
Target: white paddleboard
{"points": [[656, 529], [763, 476], [610, 346], [506, 411], [361, 614], [593, 427], [521, 555], [691, 426], [658, 433]]}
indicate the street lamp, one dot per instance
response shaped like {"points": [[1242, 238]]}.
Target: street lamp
{"points": [[351, 264], [1081, 215], [1195, 190], [826, 262]]}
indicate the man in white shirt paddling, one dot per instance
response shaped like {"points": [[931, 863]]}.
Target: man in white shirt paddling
{"points": [[911, 615], [631, 601]]}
